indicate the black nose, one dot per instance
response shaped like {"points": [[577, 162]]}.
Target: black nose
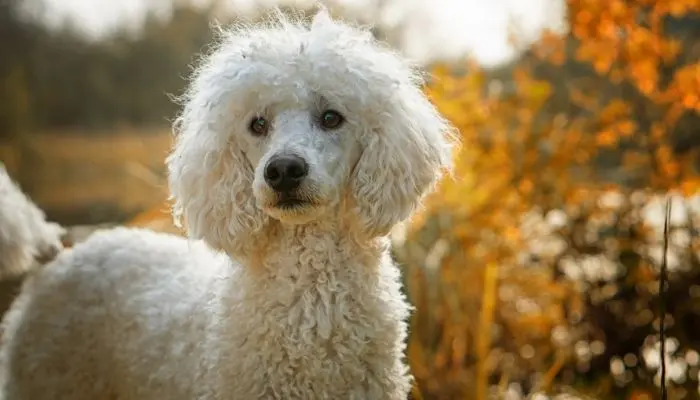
{"points": [[285, 173]]}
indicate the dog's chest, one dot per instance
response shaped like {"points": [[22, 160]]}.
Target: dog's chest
{"points": [[312, 341]]}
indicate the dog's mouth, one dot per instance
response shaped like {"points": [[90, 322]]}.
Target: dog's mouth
{"points": [[290, 202], [293, 208]]}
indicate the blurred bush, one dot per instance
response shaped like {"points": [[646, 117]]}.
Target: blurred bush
{"points": [[572, 305], [535, 270]]}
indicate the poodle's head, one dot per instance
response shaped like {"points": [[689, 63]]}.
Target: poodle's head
{"points": [[289, 124]]}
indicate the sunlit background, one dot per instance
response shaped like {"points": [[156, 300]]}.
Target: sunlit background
{"points": [[534, 271]]}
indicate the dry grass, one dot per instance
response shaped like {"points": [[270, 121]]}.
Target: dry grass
{"points": [[66, 172]]}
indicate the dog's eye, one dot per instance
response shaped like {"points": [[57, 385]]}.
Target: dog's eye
{"points": [[259, 126], [331, 119]]}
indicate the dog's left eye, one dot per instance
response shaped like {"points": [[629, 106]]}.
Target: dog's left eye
{"points": [[259, 126], [331, 119]]}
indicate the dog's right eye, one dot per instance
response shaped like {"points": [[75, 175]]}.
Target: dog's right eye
{"points": [[331, 119], [259, 126]]}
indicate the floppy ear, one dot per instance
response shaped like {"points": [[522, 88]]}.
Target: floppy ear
{"points": [[210, 178], [401, 162]]}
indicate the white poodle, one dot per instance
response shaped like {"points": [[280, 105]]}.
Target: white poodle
{"points": [[298, 149], [26, 238]]}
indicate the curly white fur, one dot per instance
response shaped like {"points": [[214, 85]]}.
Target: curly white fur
{"points": [[26, 238], [301, 303]]}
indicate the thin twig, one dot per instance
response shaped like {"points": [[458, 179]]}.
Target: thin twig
{"points": [[488, 306], [559, 363], [663, 277]]}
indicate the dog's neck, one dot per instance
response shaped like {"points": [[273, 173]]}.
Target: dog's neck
{"points": [[310, 249]]}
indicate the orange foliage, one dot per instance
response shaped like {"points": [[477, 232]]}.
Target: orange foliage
{"points": [[519, 155]]}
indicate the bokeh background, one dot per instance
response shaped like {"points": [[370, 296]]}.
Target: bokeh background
{"points": [[534, 271]]}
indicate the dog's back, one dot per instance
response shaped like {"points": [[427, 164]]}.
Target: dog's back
{"points": [[97, 323]]}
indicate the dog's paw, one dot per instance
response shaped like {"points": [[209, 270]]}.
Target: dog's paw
{"points": [[50, 243]]}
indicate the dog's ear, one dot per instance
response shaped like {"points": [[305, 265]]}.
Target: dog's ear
{"points": [[401, 161], [321, 18], [211, 183]]}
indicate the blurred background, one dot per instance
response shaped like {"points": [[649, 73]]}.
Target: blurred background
{"points": [[534, 271]]}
